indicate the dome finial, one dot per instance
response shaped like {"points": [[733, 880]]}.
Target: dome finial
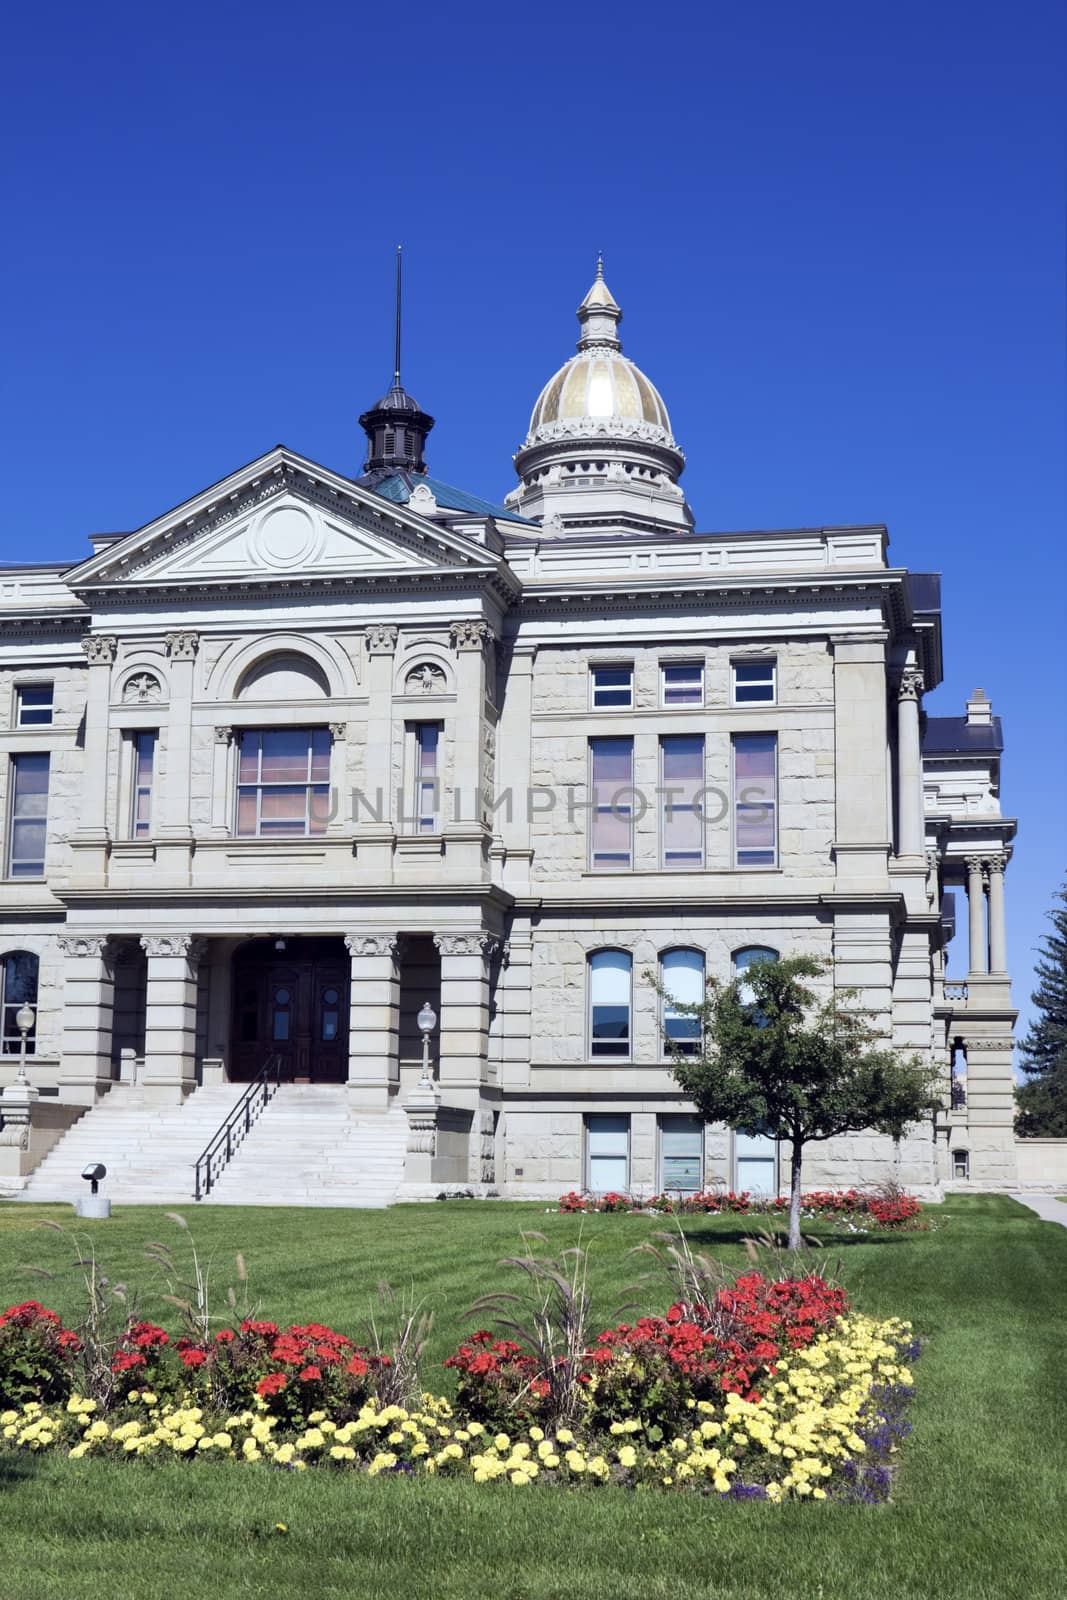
{"points": [[599, 314], [397, 426]]}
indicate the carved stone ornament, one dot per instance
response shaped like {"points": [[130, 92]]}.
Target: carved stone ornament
{"points": [[996, 863], [975, 864], [466, 944], [14, 1135], [470, 634], [339, 732], [381, 638], [225, 735], [182, 645], [373, 944], [1005, 1044], [911, 684], [100, 649], [422, 1130], [84, 944], [426, 678], [182, 945], [144, 688]]}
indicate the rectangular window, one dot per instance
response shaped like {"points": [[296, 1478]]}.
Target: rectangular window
{"points": [[681, 1154], [755, 1164], [961, 1164], [608, 1154], [610, 977], [755, 799], [611, 777], [283, 783], [613, 688], [27, 816], [33, 705], [682, 785], [144, 763], [18, 988], [754, 682], [427, 775], [682, 683]]}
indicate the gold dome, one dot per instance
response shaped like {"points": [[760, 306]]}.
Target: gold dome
{"points": [[599, 383]]}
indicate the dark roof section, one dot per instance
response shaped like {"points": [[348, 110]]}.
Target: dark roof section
{"points": [[398, 486], [955, 736], [925, 590]]}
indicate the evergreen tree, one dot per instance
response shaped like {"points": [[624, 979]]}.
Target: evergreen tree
{"points": [[1042, 1101]]}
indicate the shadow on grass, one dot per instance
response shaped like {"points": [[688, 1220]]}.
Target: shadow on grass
{"points": [[833, 1241], [15, 1470]]}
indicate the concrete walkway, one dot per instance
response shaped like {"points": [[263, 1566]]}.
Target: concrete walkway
{"points": [[1046, 1206]]}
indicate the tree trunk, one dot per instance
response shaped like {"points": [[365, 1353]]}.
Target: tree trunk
{"points": [[795, 1241]]}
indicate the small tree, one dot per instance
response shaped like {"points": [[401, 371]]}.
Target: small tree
{"points": [[1042, 1101], [775, 1059]]}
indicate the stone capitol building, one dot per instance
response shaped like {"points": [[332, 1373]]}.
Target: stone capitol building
{"points": [[313, 751]]}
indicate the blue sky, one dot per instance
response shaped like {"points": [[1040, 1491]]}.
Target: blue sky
{"points": [[837, 233]]}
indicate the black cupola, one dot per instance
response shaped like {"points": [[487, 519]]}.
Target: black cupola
{"points": [[396, 427]]}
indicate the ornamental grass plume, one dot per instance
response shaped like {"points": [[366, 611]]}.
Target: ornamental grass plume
{"points": [[109, 1310], [551, 1323], [397, 1339]]}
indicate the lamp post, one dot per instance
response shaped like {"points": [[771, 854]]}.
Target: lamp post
{"points": [[24, 1020], [427, 1021]]}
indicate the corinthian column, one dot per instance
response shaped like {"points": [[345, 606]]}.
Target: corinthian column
{"points": [[170, 1015], [374, 1020], [979, 950], [909, 765], [998, 942]]}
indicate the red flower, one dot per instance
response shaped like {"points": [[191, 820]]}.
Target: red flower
{"points": [[225, 1336], [193, 1358], [273, 1383], [357, 1367], [311, 1375], [266, 1330], [126, 1360]]}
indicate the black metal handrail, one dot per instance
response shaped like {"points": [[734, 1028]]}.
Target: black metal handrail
{"points": [[223, 1144]]}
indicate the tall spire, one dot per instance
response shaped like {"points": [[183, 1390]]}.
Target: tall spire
{"points": [[599, 314], [396, 427]]}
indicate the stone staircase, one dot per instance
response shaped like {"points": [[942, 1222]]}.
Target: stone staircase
{"points": [[306, 1149]]}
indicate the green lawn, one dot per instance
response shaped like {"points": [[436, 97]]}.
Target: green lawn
{"points": [[978, 1508]]}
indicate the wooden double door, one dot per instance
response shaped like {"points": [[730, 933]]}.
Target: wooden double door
{"points": [[290, 999]]}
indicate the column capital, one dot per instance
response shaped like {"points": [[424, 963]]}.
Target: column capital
{"points": [[225, 735], [910, 684], [381, 638], [975, 864], [182, 645], [85, 945], [466, 944], [183, 945], [100, 648], [471, 633], [373, 944], [997, 862]]}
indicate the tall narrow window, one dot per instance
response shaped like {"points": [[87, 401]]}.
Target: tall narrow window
{"points": [[682, 785], [27, 816], [18, 987], [682, 978], [682, 683], [609, 1003], [743, 959], [611, 769], [283, 783], [681, 1154], [608, 1164], [427, 775], [33, 705], [755, 799], [754, 682], [144, 765], [613, 688]]}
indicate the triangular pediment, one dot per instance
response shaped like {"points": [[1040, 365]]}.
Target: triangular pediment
{"points": [[282, 518]]}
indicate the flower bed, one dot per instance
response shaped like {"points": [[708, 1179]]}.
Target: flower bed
{"points": [[763, 1389], [892, 1211]]}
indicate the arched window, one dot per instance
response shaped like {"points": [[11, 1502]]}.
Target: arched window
{"points": [[743, 959], [682, 977], [610, 973], [18, 987]]}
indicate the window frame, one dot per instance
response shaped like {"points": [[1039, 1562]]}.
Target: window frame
{"points": [[134, 827], [754, 700], [258, 787], [611, 864], [419, 783], [604, 1052], [693, 1044], [735, 804], [15, 758], [690, 864], [694, 664], [588, 1119], [610, 666], [11, 1042], [961, 1158], [662, 1120], [20, 721]]}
